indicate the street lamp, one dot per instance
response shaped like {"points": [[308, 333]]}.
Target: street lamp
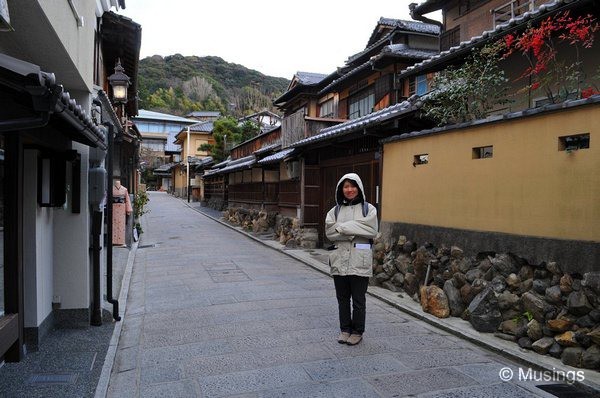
{"points": [[119, 82]]}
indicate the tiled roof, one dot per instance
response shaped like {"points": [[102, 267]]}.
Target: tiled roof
{"points": [[405, 51], [360, 123], [411, 26], [29, 78], [237, 164], [392, 50], [165, 167], [199, 162], [204, 114], [268, 148], [500, 30], [276, 157], [305, 87], [205, 127], [222, 164], [151, 115], [308, 78], [595, 99]]}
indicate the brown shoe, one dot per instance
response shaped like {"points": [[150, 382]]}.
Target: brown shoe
{"points": [[343, 337], [354, 339]]}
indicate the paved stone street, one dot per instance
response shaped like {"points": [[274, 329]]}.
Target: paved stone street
{"points": [[213, 313]]}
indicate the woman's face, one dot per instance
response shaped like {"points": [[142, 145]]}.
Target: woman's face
{"points": [[350, 191]]}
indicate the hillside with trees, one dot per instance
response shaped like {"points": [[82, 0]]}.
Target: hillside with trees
{"points": [[178, 85]]}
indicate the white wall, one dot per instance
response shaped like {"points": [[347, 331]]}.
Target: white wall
{"points": [[78, 41], [71, 247], [37, 248]]}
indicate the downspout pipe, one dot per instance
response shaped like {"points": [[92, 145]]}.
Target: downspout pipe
{"points": [[109, 227], [96, 235], [419, 17]]}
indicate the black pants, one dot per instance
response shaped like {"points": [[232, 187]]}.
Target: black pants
{"points": [[354, 287]]}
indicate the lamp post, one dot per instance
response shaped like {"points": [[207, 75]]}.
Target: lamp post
{"points": [[119, 82]]}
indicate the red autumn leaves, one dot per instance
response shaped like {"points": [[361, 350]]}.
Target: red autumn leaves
{"points": [[538, 45]]}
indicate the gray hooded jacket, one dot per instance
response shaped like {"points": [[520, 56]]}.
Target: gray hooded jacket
{"points": [[351, 233]]}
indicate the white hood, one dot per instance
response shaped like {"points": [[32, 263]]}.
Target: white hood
{"points": [[339, 195]]}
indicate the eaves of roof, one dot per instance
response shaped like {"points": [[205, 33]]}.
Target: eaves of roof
{"points": [[488, 35], [276, 157], [238, 164], [144, 114], [50, 101], [392, 112], [593, 100], [390, 51], [165, 167], [307, 88], [431, 30], [268, 148]]}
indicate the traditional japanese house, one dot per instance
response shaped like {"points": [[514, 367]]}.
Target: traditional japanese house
{"points": [[265, 120], [198, 166], [158, 149], [190, 139], [523, 177], [355, 108], [215, 186], [250, 184], [57, 123]]}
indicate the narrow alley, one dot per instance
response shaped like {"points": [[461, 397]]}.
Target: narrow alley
{"points": [[211, 313]]}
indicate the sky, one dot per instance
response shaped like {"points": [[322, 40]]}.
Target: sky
{"points": [[275, 37]]}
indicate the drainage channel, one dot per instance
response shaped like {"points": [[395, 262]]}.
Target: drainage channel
{"points": [[566, 391], [43, 379], [148, 246]]}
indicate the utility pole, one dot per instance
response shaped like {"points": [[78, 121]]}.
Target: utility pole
{"points": [[187, 142]]}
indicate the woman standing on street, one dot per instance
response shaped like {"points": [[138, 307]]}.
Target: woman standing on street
{"points": [[351, 225]]}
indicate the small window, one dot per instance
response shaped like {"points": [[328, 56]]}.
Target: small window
{"points": [[483, 152], [326, 108], [573, 142], [421, 159], [417, 85]]}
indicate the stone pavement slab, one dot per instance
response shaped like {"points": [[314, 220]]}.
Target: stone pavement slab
{"points": [[217, 313]]}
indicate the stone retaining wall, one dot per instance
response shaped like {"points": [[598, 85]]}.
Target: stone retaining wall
{"points": [[537, 306], [286, 230]]}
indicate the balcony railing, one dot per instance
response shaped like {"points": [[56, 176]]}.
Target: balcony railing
{"points": [[510, 10]]}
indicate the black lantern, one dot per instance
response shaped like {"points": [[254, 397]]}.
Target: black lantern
{"points": [[119, 82]]}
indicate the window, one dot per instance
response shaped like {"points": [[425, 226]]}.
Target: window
{"points": [[571, 143], [450, 38], [326, 108], [361, 104], [417, 85], [154, 145], [420, 159], [464, 6], [483, 152]]}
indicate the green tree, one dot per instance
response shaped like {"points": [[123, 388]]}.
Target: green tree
{"points": [[249, 129], [226, 134], [469, 91]]}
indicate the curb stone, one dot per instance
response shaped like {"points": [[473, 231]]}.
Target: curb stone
{"points": [[109, 360]]}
